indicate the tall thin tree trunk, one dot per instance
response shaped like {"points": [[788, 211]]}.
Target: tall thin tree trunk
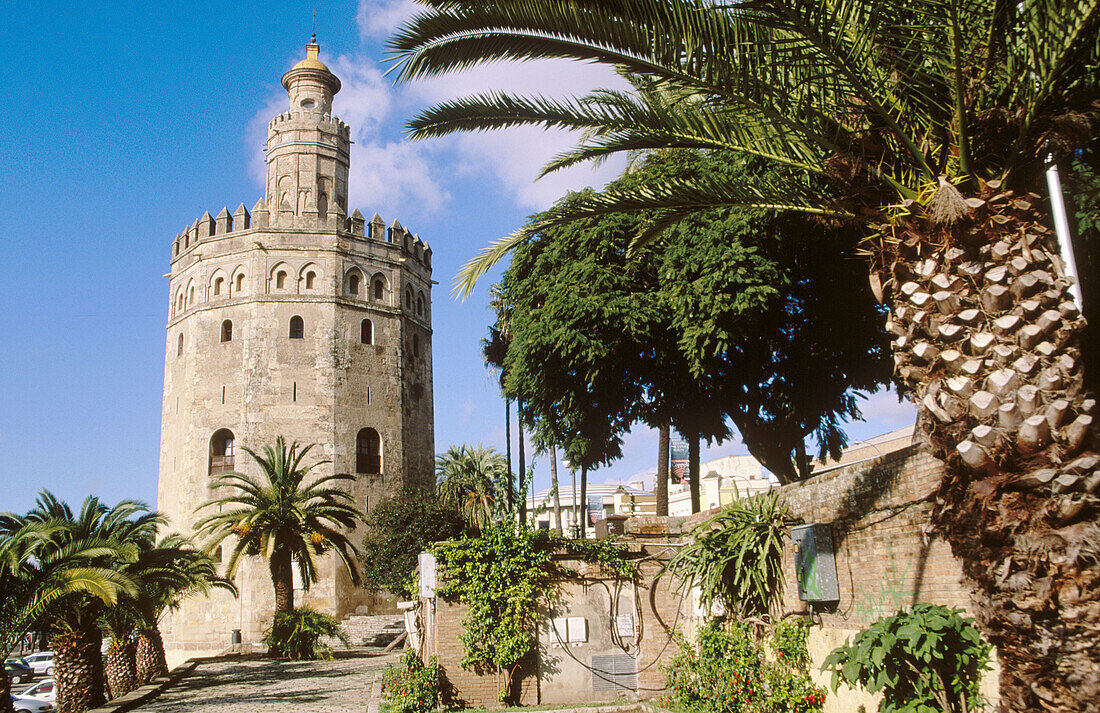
{"points": [[987, 340], [584, 501], [693, 471], [664, 437], [554, 489], [522, 461], [508, 450], [78, 670], [282, 577]]}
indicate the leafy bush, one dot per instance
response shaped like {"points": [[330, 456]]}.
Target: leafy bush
{"points": [[736, 557], [411, 687], [925, 660], [500, 575], [297, 635], [398, 530], [726, 672]]}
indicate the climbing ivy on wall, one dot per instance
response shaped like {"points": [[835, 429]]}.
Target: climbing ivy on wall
{"points": [[500, 576]]}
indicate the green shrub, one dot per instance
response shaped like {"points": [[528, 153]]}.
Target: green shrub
{"points": [[736, 557], [725, 671], [297, 635], [411, 687], [924, 661]]}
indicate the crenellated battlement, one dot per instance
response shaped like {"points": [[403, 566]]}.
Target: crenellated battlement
{"points": [[328, 121], [240, 220]]}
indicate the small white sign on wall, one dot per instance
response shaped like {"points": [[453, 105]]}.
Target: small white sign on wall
{"points": [[624, 625], [578, 630]]}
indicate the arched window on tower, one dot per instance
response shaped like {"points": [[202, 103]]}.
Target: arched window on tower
{"points": [[379, 288], [240, 283], [311, 278], [280, 280], [179, 302], [408, 299], [222, 448], [179, 345], [297, 327], [416, 345], [420, 305], [368, 452], [218, 283], [191, 295], [366, 332], [353, 283], [227, 331]]}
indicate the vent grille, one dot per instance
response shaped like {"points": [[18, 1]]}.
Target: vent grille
{"points": [[614, 672]]}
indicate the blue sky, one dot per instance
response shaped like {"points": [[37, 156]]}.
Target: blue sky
{"points": [[123, 123]]}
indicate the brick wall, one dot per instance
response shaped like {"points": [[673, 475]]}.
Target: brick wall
{"points": [[878, 512]]}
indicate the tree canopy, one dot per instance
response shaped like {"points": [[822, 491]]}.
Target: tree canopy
{"points": [[737, 316]]}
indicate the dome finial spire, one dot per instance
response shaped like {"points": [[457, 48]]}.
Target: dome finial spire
{"points": [[313, 30]]}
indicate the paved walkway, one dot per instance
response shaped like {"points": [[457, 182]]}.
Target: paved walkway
{"points": [[253, 684]]}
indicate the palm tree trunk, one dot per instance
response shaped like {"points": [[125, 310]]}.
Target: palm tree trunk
{"points": [[554, 489], [522, 461], [78, 670], [986, 339], [149, 656], [5, 695], [664, 437], [282, 577], [120, 668], [693, 472]]}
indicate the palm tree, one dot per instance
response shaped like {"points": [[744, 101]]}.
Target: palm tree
{"points": [[165, 573], [933, 122], [474, 481], [177, 570], [74, 620], [283, 518], [34, 576], [664, 439]]}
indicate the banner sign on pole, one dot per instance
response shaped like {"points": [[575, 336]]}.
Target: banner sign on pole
{"points": [[595, 509], [678, 450]]}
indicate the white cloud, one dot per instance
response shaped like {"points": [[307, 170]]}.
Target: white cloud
{"points": [[379, 18], [509, 159], [885, 412]]}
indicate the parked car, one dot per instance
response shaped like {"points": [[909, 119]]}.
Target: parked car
{"points": [[41, 662], [31, 705], [18, 671], [43, 691]]}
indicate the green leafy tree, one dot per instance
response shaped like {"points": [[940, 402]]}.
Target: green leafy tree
{"points": [[932, 122], [740, 318], [35, 575], [398, 530], [475, 482], [284, 515]]}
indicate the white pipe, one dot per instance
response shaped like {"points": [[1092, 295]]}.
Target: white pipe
{"points": [[1061, 227]]}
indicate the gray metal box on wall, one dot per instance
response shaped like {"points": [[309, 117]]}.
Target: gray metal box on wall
{"points": [[815, 563]]}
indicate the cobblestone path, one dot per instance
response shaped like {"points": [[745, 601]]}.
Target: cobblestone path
{"points": [[252, 684]]}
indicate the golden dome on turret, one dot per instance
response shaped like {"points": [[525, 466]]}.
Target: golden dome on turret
{"points": [[311, 64]]}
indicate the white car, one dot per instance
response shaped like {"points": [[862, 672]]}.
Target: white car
{"points": [[31, 705], [41, 663], [42, 691]]}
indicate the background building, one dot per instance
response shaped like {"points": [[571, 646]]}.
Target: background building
{"points": [[294, 319]]}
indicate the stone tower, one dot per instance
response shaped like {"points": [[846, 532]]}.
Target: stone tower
{"points": [[294, 319]]}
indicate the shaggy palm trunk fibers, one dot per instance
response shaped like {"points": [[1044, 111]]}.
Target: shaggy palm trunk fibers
{"points": [[120, 668], [149, 656], [986, 338], [78, 670], [5, 695]]}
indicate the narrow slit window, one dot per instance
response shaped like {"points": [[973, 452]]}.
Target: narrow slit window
{"points": [[366, 332], [179, 345], [227, 331]]}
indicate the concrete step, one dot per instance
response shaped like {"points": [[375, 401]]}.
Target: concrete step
{"points": [[365, 630]]}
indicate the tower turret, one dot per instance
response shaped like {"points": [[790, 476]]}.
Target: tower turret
{"points": [[308, 150]]}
